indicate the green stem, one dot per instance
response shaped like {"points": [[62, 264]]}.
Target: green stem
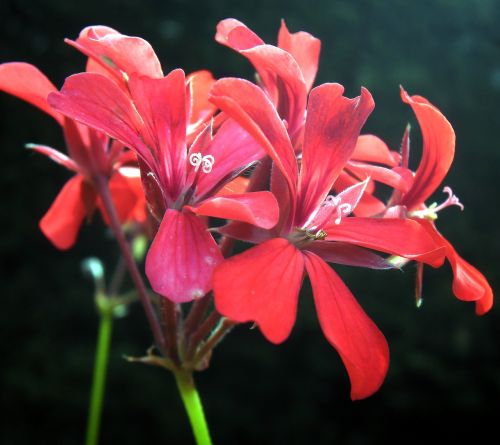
{"points": [[194, 408], [99, 378]]}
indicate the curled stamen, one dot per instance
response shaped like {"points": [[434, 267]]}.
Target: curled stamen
{"points": [[205, 162], [331, 200], [452, 200], [342, 210]]}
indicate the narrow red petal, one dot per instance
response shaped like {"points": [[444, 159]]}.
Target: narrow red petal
{"points": [[29, 84], [398, 178], [437, 152], [370, 148], [62, 221], [331, 131], [262, 285], [402, 237], [304, 48], [348, 254], [182, 257], [360, 344], [257, 208], [55, 155], [468, 283]]}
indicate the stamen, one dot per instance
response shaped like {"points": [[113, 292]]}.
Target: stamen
{"points": [[205, 162], [342, 210], [451, 201]]}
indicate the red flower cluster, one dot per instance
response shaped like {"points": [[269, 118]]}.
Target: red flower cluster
{"points": [[281, 164]]}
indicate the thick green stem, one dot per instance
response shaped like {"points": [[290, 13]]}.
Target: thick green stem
{"points": [[99, 378], [194, 408]]}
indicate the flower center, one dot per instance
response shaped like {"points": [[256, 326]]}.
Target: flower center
{"points": [[205, 162]]}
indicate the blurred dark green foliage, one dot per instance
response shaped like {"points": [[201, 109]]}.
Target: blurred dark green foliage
{"points": [[444, 380]]}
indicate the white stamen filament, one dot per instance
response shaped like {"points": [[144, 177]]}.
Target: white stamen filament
{"points": [[205, 162], [342, 210], [452, 200]]}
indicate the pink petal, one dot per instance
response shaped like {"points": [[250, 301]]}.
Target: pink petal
{"points": [[29, 84], [62, 221], [233, 149], [331, 131], [182, 257], [305, 50], [55, 155], [251, 108], [437, 152], [348, 254], [257, 208], [261, 285], [402, 237], [235, 35], [370, 148], [163, 107], [117, 52], [360, 344], [368, 205], [96, 101]]}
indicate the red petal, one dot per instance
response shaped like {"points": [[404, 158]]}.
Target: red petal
{"points": [[257, 208], [199, 84], [362, 347], [55, 155], [235, 35], [283, 81], [28, 83], [262, 285], [246, 232], [370, 148], [182, 257], [305, 50], [62, 221], [437, 152], [331, 131], [468, 283], [402, 237], [98, 102], [163, 107], [251, 108], [117, 52]]}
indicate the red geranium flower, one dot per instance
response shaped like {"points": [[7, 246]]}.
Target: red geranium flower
{"points": [[91, 153], [182, 182], [263, 283]]}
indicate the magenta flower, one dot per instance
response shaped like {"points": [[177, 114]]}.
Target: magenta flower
{"points": [[182, 183]]}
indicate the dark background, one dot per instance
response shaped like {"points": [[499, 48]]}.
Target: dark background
{"points": [[444, 379]]}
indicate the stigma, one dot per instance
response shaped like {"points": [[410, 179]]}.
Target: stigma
{"points": [[205, 162]]}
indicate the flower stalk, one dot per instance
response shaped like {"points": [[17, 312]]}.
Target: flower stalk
{"points": [[193, 406]]}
